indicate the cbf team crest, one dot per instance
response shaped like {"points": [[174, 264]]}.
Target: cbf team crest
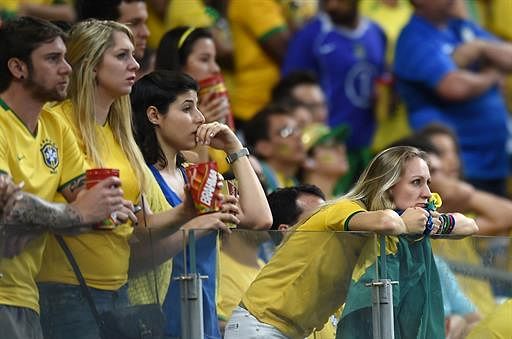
{"points": [[50, 154]]}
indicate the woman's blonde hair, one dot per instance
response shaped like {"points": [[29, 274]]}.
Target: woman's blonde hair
{"points": [[383, 172], [86, 46]]}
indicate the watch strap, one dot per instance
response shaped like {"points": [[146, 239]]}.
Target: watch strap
{"points": [[232, 157]]}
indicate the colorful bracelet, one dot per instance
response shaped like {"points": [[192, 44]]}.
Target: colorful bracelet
{"points": [[451, 225], [447, 224], [442, 220]]}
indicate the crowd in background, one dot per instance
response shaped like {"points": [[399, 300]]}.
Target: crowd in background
{"points": [[306, 94]]}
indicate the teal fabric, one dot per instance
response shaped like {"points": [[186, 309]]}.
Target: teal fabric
{"points": [[417, 299]]}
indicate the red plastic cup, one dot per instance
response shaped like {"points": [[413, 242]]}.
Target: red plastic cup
{"points": [[215, 84], [94, 176], [203, 178]]}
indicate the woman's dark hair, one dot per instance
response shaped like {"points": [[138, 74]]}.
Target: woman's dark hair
{"points": [[171, 55], [160, 89]]}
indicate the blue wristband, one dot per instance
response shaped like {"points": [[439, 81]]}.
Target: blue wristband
{"points": [[429, 226]]}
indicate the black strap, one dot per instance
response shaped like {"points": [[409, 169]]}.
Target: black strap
{"points": [[83, 285]]}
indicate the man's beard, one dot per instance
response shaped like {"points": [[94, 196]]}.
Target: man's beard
{"points": [[41, 93]]}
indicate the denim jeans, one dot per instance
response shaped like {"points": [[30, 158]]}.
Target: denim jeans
{"points": [[19, 323], [65, 312], [243, 324]]}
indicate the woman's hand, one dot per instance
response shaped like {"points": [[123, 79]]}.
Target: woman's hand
{"points": [[230, 205], [415, 220], [218, 136], [214, 109], [212, 221]]}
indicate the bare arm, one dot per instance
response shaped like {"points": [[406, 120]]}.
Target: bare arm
{"points": [[383, 221], [494, 214], [253, 202], [89, 207], [496, 54], [167, 247], [59, 12], [275, 45], [28, 209], [464, 225], [455, 193], [463, 85]]}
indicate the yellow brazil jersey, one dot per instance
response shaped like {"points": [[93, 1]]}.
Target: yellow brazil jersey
{"points": [[310, 271], [46, 161], [497, 325], [234, 280], [251, 22], [8, 8], [187, 13], [102, 256], [141, 288]]}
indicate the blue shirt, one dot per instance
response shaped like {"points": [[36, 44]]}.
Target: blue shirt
{"points": [[423, 58], [347, 62], [206, 262], [454, 300]]}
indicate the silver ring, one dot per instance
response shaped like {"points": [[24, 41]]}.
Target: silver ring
{"points": [[113, 216]]}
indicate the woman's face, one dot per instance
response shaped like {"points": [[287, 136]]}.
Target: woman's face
{"points": [[201, 62], [448, 154], [412, 189], [115, 74], [178, 127]]}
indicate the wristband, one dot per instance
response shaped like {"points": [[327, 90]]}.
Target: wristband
{"points": [[429, 226], [232, 157]]}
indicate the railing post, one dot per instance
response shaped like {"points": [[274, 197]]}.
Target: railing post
{"points": [[191, 290], [382, 299]]}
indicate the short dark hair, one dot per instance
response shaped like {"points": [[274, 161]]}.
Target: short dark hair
{"points": [[436, 129], [258, 127], [418, 141], [19, 38], [169, 55], [285, 86], [284, 207], [99, 9], [160, 89]]}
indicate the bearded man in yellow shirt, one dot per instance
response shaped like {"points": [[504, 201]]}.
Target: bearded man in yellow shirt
{"points": [[38, 150]]}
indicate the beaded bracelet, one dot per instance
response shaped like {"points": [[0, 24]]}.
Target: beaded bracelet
{"points": [[451, 224], [444, 223], [447, 224]]}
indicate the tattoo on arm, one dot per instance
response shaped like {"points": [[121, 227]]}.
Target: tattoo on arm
{"points": [[76, 184], [32, 211]]}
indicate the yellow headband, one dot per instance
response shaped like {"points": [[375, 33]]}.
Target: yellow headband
{"points": [[184, 36]]}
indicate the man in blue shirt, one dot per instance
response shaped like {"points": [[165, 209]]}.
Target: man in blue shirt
{"points": [[449, 71], [347, 52]]}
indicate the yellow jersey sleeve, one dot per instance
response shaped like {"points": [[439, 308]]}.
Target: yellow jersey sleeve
{"points": [[261, 26], [187, 13], [333, 217]]}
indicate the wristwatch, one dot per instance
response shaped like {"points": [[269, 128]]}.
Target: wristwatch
{"points": [[232, 157]]}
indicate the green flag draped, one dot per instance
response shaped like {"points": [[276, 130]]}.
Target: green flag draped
{"points": [[417, 299]]}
